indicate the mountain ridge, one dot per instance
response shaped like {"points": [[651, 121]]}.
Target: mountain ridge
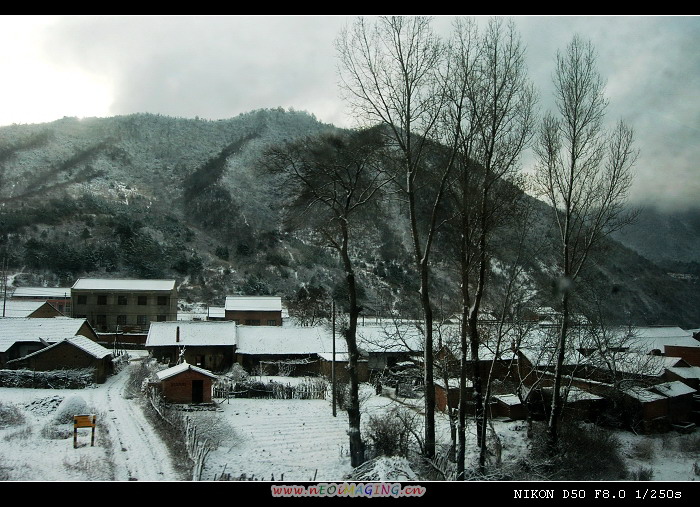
{"points": [[152, 196]]}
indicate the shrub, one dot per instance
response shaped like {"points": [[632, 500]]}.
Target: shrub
{"points": [[10, 415], [643, 450], [584, 452], [390, 434], [643, 474]]}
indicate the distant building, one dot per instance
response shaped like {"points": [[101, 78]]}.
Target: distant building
{"points": [[29, 308], [254, 310], [124, 305], [58, 297]]}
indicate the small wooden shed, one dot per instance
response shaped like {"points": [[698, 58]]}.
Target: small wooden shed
{"points": [[510, 406], [186, 383]]}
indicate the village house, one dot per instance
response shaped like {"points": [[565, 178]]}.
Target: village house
{"points": [[22, 336], [254, 310], [210, 345], [386, 345], [58, 297], [75, 352], [122, 304], [185, 383], [292, 350]]}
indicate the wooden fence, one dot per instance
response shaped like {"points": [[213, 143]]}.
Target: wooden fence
{"points": [[197, 449], [271, 390]]}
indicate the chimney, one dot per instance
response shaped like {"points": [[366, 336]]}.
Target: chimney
{"points": [[177, 334]]}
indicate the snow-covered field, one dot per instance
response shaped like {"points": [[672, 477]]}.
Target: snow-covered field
{"points": [[265, 440]]}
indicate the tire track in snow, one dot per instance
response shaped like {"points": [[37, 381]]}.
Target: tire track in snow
{"points": [[139, 453]]}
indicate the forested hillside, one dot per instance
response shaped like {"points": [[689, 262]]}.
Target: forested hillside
{"points": [[153, 196]]}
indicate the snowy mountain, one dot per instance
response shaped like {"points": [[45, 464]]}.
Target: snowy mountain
{"points": [[153, 196]]}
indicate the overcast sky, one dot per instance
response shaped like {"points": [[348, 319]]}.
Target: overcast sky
{"points": [[217, 67]]}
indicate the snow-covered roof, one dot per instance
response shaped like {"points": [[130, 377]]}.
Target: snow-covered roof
{"points": [[85, 344], [328, 356], [270, 340], [643, 394], [673, 389], [192, 333], [181, 368], [390, 338], [21, 307], [576, 394], [216, 312], [687, 372], [658, 337], [508, 399], [254, 303], [42, 292], [33, 330], [123, 284]]}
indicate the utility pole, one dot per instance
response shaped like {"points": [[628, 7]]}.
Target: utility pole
{"points": [[4, 284], [333, 361]]}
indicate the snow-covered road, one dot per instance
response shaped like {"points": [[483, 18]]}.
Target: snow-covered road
{"points": [[138, 451]]}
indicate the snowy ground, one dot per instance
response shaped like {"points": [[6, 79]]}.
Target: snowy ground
{"points": [[266, 440]]}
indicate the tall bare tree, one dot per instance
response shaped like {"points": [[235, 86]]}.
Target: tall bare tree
{"points": [[389, 72], [584, 173], [331, 180], [490, 119]]}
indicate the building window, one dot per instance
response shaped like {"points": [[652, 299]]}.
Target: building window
{"points": [[252, 322], [141, 320], [162, 300], [101, 321], [121, 300], [121, 320], [102, 299], [161, 318], [272, 322], [143, 300], [82, 300]]}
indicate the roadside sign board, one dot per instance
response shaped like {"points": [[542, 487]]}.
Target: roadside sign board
{"points": [[83, 421]]}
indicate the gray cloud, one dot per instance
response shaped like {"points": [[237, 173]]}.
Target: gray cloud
{"points": [[217, 67]]}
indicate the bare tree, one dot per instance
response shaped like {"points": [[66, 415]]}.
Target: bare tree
{"points": [[490, 120], [584, 174], [331, 179], [389, 73]]}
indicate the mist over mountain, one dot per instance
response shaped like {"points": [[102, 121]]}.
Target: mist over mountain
{"points": [[154, 196]]}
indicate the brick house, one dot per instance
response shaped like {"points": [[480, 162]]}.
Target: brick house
{"points": [[186, 383], [124, 304], [204, 344], [75, 352], [254, 310], [22, 336]]}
